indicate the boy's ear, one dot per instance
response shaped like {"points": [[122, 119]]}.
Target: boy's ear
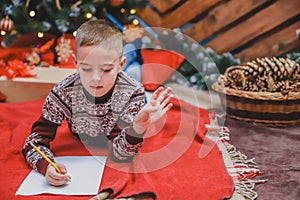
{"points": [[123, 61], [74, 59]]}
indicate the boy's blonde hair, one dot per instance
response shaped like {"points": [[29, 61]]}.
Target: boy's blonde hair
{"points": [[99, 32]]}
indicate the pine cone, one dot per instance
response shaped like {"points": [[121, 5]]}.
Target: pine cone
{"points": [[235, 79], [265, 75]]}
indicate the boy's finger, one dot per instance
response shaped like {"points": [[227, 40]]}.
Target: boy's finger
{"points": [[168, 107], [163, 95], [156, 93], [56, 182], [57, 176], [165, 101], [62, 168]]}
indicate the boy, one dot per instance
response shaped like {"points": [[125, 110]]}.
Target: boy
{"points": [[99, 100]]}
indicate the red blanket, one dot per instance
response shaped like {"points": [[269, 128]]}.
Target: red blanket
{"points": [[168, 165]]}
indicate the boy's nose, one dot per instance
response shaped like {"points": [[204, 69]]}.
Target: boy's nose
{"points": [[97, 76]]}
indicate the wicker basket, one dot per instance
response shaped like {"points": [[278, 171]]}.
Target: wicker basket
{"points": [[263, 108]]}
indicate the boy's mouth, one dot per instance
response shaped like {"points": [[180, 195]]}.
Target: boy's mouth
{"points": [[97, 87]]}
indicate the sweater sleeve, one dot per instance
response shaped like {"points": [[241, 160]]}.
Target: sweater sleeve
{"points": [[127, 142], [42, 133]]}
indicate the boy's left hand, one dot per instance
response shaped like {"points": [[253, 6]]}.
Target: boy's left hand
{"points": [[153, 110]]}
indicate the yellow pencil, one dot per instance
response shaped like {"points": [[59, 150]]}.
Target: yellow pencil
{"points": [[49, 161]]}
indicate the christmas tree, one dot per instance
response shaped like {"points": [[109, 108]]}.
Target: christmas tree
{"points": [[57, 17]]}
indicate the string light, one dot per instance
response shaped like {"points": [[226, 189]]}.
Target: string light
{"points": [[132, 11], [122, 10], [40, 34], [88, 15], [135, 22], [74, 33], [32, 13], [3, 32]]}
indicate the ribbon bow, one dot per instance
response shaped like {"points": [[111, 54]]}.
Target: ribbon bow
{"points": [[15, 68]]}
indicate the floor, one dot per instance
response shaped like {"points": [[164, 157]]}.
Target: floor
{"points": [[276, 152]]}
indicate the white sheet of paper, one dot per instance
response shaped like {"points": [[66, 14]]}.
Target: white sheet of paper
{"points": [[85, 171]]}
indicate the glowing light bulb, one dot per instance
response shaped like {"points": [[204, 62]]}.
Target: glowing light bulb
{"points": [[135, 22], [122, 10], [132, 11], [88, 15], [32, 13], [74, 33], [40, 34], [3, 32]]}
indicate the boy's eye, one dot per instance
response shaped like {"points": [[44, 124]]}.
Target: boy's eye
{"points": [[86, 69], [106, 70]]}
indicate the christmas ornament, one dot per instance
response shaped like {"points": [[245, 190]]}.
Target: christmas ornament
{"points": [[63, 49], [116, 2], [6, 24]]}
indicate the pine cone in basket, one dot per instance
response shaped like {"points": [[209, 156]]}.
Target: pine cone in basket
{"points": [[264, 75]]}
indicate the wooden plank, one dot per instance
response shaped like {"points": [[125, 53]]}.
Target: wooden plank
{"points": [[256, 25], [221, 16], [150, 17], [163, 5], [186, 12], [277, 44]]}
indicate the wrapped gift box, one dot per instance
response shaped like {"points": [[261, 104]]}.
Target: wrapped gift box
{"points": [[31, 88]]}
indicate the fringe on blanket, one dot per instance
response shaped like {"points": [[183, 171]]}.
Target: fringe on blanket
{"points": [[242, 171], [239, 167]]}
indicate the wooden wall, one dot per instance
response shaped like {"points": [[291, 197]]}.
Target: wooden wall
{"points": [[246, 28]]}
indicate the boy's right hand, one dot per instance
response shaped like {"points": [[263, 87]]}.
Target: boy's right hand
{"points": [[157, 106], [54, 178]]}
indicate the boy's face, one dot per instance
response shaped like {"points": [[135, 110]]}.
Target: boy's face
{"points": [[98, 68]]}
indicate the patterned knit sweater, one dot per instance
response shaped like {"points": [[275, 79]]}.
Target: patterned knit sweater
{"points": [[89, 118]]}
